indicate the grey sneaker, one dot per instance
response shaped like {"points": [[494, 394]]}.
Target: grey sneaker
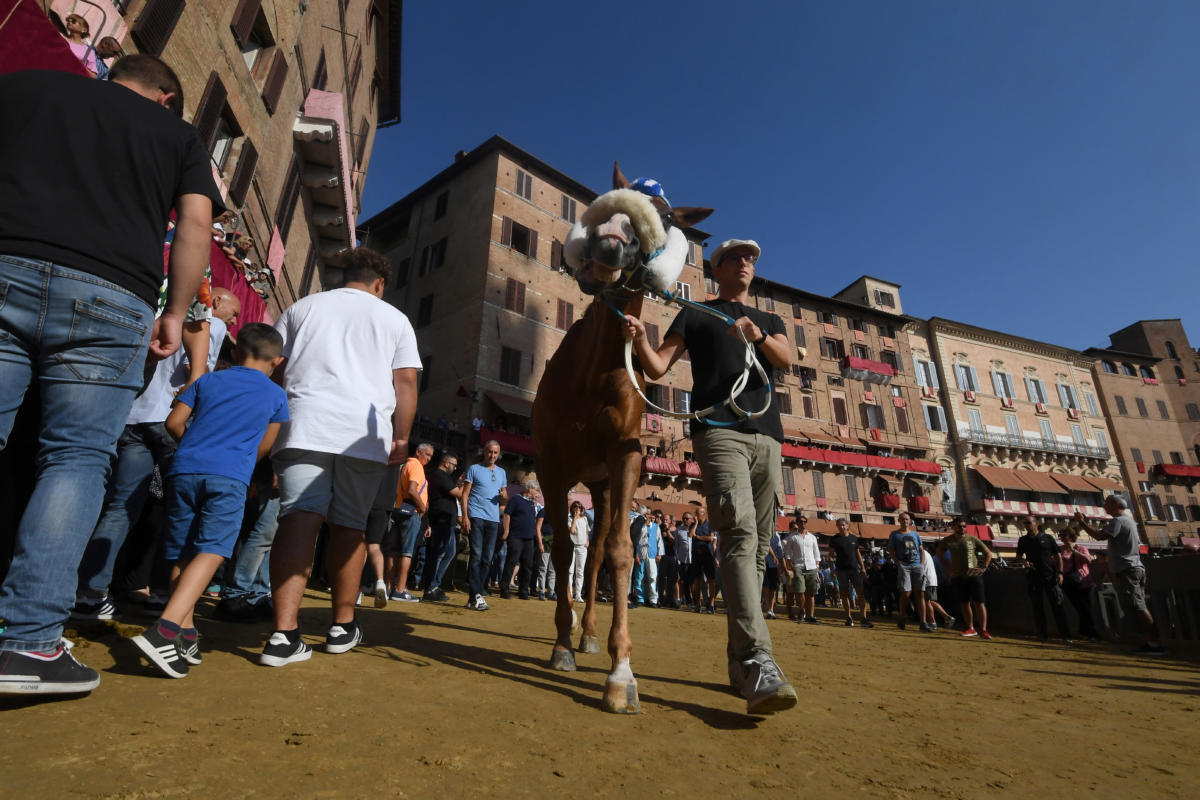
{"points": [[762, 683]]}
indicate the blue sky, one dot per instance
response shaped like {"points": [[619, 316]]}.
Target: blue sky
{"points": [[1032, 167]]}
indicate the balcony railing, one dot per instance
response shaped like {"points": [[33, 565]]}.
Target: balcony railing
{"points": [[1009, 440]]}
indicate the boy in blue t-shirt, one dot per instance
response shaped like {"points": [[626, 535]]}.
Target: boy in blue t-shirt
{"points": [[235, 415]]}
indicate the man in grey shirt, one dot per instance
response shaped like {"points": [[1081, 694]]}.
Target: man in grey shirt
{"points": [[1125, 565]]}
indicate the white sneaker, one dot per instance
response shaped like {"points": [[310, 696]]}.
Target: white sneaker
{"points": [[477, 603], [381, 594], [762, 683]]}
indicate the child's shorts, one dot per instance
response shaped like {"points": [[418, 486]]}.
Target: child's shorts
{"points": [[204, 515]]}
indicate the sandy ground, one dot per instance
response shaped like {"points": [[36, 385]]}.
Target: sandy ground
{"points": [[441, 701]]}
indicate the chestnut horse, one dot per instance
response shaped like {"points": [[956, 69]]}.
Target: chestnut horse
{"points": [[587, 414]]}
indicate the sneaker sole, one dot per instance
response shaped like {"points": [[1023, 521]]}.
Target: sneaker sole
{"points": [[156, 658], [782, 700], [337, 649], [96, 616], [283, 661], [381, 598], [34, 686]]}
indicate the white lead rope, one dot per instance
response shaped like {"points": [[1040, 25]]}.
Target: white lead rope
{"points": [[752, 363]]}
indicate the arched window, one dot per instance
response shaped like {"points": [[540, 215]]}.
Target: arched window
{"points": [[1147, 373], [1171, 351], [1179, 372], [1109, 367], [1127, 369]]}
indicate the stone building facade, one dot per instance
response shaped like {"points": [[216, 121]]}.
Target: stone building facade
{"points": [[287, 97], [1147, 379], [1026, 432]]}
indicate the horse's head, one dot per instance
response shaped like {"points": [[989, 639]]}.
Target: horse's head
{"points": [[631, 227]]}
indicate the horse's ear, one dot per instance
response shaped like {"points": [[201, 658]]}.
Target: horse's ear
{"points": [[687, 216], [619, 180]]}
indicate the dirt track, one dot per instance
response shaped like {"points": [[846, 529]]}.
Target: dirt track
{"points": [[441, 701]]}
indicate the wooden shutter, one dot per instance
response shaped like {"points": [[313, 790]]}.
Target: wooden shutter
{"points": [[247, 163], [652, 335], [677, 400], [207, 118], [276, 77], [154, 25], [556, 254], [532, 244], [520, 298], [287, 200], [355, 73], [242, 23], [506, 231]]}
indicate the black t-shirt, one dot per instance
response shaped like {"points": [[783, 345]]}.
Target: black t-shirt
{"points": [[1039, 549], [89, 174], [442, 506], [845, 551], [718, 360]]}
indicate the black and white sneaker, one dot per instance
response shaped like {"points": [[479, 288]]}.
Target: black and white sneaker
{"points": [[164, 653], [281, 651], [56, 672], [343, 637], [191, 649], [477, 603], [101, 609]]}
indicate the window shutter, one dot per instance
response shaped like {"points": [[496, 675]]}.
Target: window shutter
{"points": [[243, 20], [287, 200], [1062, 395], [556, 260], [960, 377], [652, 335], [1029, 389], [569, 314], [933, 376], [920, 372], [532, 244], [997, 386], [273, 88], [154, 25], [941, 412], [520, 298], [510, 295], [208, 112], [360, 145], [974, 378], [247, 163], [506, 232]]}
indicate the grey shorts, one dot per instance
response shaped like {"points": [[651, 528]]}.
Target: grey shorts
{"points": [[848, 578], [805, 581], [910, 579], [1131, 588], [339, 488]]}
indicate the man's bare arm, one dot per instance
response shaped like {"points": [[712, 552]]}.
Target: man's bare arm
{"points": [[405, 382], [655, 363], [189, 257]]}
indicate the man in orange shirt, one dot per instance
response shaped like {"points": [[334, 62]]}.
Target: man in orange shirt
{"points": [[412, 501]]}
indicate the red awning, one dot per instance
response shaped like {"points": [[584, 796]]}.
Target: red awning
{"points": [[509, 442], [1040, 481], [518, 406], [980, 532], [1178, 470], [1075, 483], [690, 469], [1104, 484], [660, 466], [1002, 478]]}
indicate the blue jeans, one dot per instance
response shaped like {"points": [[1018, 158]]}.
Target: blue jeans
{"points": [[140, 447], [483, 544], [84, 340], [636, 579], [204, 515], [439, 553], [252, 575]]}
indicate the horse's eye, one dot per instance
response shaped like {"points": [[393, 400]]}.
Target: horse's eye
{"points": [[668, 219]]}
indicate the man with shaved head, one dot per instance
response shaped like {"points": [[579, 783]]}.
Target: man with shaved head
{"points": [[146, 443]]}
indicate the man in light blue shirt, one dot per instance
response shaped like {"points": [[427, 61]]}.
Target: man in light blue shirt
{"points": [[485, 494]]}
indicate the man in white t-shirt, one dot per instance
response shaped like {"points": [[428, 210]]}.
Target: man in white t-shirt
{"points": [[351, 381]]}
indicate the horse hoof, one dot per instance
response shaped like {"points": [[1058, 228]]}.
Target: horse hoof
{"points": [[621, 698], [562, 660], [589, 644]]}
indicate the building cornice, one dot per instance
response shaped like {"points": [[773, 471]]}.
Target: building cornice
{"points": [[1000, 339]]}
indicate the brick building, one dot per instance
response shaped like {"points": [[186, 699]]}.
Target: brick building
{"points": [[478, 262], [1026, 431], [1143, 380], [287, 97]]}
